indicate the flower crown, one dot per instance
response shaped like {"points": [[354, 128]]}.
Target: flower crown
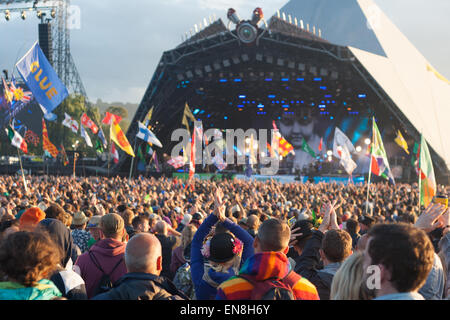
{"points": [[237, 247]]}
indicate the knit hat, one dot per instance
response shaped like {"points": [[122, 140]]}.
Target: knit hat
{"points": [[79, 218], [221, 248], [31, 217]]}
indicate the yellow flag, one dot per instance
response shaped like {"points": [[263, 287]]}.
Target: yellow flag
{"points": [[437, 74], [187, 114], [401, 142], [119, 138], [149, 115]]}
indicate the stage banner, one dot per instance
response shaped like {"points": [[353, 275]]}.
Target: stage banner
{"points": [[42, 80]]}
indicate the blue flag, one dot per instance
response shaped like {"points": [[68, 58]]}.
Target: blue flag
{"points": [[42, 80]]}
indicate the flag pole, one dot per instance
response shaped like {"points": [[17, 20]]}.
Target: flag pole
{"points": [[420, 172], [132, 160], [21, 169], [370, 170]]}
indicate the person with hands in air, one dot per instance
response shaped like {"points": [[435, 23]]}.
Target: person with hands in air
{"points": [[328, 246], [434, 218], [216, 257]]}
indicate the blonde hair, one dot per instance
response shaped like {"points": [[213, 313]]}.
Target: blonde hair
{"points": [[187, 234], [348, 282]]}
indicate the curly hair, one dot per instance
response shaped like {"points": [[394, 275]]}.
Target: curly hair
{"points": [[27, 257]]}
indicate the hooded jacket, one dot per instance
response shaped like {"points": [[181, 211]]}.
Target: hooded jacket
{"points": [[108, 252], [44, 290], [142, 286], [260, 267]]}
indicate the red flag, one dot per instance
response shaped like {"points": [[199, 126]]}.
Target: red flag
{"points": [[320, 144], [108, 117], [192, 160], [87, 122]]}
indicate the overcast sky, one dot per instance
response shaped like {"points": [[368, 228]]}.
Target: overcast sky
{"points": [[119, 44]]}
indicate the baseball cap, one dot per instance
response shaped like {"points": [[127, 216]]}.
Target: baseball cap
{"points": [[111, 224]]}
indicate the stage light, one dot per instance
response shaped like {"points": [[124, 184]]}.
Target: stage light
{"points": [[223, 80], [329, 153], [237, 80], [247, 32], [7, 15], [300, 79], [232, 16], [226, 118], [317, 79], [241, 97], [358, 148], [361, 95], [268, 79], [196, 111], [285, 79], [53, 13], [367, 141], [271, 96], [257, 16]]}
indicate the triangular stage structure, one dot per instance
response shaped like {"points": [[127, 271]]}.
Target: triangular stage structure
{"points": [[411, 82]]}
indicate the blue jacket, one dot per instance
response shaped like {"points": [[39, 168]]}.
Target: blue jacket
{"points": [[44, 290], [203, 289]]}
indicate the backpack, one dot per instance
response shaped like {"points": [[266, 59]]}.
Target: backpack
{"points": [[272, 288], [183, 280], [105, 284]]}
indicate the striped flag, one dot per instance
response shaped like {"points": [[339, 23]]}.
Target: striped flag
{"points": [[16, 139], [46, 144], [426, 175]]}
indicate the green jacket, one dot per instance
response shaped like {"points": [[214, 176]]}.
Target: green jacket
{"points": [[44, 290]]}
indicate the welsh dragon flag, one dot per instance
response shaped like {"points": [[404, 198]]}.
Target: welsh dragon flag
{"points": [[380, 165], [427, 178]]}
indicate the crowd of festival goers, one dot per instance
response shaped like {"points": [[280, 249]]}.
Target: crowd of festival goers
{"points": [[163, 239]]}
